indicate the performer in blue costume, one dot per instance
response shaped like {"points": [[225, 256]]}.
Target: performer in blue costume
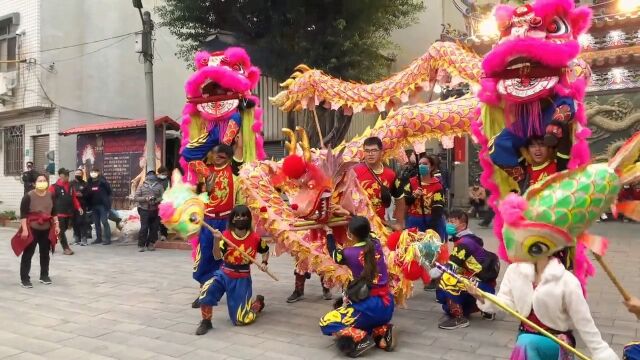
{"points": [[362, 320]]}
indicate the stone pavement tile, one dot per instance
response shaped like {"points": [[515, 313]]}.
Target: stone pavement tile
{"points": [[285, 348], [203, 354], [35, 332], [8, 351], [33, 346], [460, 355], [69, 354], [108, 349], [489, 350], [210, 343], [26, 356]]}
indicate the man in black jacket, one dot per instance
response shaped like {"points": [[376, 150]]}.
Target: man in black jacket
{"points": [[148, 197], [99, 201], [29, 177], [81, 222]]}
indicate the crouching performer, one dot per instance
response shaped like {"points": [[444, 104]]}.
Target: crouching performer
{"points": [[362, 319], [234, 276]]}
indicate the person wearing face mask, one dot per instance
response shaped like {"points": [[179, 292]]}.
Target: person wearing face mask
{"points": [[29, 177], [66, 204], [39, 227], [81, 223], [477, 198], [163, 179], [362, 320], [234, 276], [148, 197], [425, 196], [99, 202], [470, 259]]}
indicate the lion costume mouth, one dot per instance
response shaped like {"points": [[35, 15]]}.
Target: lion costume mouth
{"points": [[525, 79]]}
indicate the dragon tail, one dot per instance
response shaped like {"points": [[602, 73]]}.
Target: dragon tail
{"points": [[625, 163]]}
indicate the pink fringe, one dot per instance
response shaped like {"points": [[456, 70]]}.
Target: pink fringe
{"points": [[225, 77], [166, 210], [194, 241], [486, 179], [488, 93], [517, 114], [583, 268], [580, 153], [512, 209], [201, 59], [545, 52], [257, 128]]}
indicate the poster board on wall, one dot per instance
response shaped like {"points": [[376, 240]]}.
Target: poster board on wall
{"points": [[120, 155]]}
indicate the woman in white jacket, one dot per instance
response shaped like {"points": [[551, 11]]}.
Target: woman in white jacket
{"points": [[551, 297]]}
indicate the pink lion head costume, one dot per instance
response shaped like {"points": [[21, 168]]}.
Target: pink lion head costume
{"points": [[220, 109], [534, 86]]}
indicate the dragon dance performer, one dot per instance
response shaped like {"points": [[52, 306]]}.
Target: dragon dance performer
{"points": [[362, 321], [545, 160], [378, 181], [224, 163], [234, 276], [470, 259]]}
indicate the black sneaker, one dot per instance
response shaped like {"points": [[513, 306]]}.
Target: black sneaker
{"points": [[361, 347], [196, 303], [488, 316], [96, 242], [326, 294], [106, 243], [389, 339], [204, 327], [26, 284], [454, 323], [296, 296], [432, 286], [45, 280]]}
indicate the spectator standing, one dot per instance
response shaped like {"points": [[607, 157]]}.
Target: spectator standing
{"points": [[81, 222], [29, 178], [39, 227], [64, 204], [148, 197], [99, 201], [477, 199]]}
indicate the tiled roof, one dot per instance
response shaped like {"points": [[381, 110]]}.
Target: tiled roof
{"points": [[120, 125]]}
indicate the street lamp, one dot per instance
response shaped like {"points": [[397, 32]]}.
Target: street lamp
{"points": [[488, 27], [147, 53]]}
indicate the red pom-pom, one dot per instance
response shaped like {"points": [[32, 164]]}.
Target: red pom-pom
{"points": [[294, 207], [392, 240], [263, 209], [294, 166], [412, 271]]}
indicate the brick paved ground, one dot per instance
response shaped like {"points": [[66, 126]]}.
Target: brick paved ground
{"points": [[112, 302]]}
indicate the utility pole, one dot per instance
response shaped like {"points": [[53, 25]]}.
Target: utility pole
{"points": [[147, 53]]}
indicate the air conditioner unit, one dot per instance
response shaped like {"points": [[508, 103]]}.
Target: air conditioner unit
{"points": [[8, 82]]}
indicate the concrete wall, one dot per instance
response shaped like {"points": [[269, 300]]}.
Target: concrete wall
{"points": [[108, 84]]}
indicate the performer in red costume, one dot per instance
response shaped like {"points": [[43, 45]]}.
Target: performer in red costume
{"points": [[380, 182], [234, 276]]}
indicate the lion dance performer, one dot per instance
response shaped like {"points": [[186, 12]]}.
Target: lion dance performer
{"points": [[221, 127], [183, 211]]}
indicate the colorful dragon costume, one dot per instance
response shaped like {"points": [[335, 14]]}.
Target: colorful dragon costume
{"points": [[219, 107]]}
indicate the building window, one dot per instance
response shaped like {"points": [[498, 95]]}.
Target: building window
{"points": [[8, 41], [13, 150]]}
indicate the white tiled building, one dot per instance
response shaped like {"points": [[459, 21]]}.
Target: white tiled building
{"points": [[76, 65], [28, 121]]}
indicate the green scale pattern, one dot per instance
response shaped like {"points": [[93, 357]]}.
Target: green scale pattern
{"points": [[575, 202]]}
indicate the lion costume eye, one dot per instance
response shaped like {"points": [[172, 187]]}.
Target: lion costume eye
{"points": [[537, 246], [558, 26]]}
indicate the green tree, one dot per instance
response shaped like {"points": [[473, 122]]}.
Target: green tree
{"points": [[346, 38]]}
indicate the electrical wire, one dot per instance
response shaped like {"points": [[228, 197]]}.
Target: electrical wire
{"points": [[91, 52], [80, 44], [46, 96]]}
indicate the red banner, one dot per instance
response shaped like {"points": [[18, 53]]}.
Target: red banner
{"points": [[459, 149]]}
